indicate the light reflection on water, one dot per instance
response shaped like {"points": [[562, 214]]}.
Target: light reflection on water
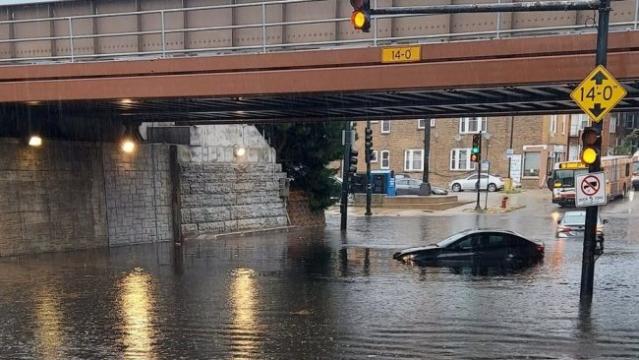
{"points": [[49, 317], [137, 309], [243, 298]]}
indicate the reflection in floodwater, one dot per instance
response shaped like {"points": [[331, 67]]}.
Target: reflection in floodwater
{"points": [[137, 308], [243, 300], [49, 322]]}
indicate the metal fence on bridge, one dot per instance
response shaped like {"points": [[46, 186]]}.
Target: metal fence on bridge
{"points": [[165, 32]]}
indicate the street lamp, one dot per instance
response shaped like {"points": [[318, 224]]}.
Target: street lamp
{"points": [[35, 141]]}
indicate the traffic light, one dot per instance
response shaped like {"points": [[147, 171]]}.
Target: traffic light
{"points": [[353, 162], [591, 143], [475, 151], [361, 17], [368, 143]]}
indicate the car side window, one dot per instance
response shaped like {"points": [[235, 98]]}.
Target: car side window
{"points": [[516, 241], [467, 243], [472, 177], [494, 241]]}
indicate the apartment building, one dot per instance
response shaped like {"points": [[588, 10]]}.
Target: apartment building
{"points": [[522, 147]]}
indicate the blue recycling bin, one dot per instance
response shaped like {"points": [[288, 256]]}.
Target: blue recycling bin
{"points": [[383, 182]]}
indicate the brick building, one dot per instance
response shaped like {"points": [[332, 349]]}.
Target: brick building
{"points": [[537, 142]]}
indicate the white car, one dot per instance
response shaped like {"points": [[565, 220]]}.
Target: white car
{"points": [[490, 182]]}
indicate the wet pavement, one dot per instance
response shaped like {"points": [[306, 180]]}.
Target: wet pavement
{"points": [[324, 295]]}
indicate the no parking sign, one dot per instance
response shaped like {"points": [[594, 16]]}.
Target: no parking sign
{"points": [[590, 190]]}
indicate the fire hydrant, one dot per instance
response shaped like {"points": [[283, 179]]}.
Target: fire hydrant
{"points": [[504, 202]]}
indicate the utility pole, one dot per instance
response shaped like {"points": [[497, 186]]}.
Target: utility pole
{"points": [[590, 232], [346, 140], [368, 153], [425, 189]]}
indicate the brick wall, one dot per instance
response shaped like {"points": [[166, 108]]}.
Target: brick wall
{"points": [[529, 132]]}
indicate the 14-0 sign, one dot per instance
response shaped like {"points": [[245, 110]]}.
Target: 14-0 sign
{"points": [[598, 93]]}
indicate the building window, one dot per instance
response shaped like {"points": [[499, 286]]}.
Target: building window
{"points": [[563, 124], [613, 124], [421, 123], [577, 123], [553, 124], [531, 164], [414, 160], [374, 156], [472, 125], [460, 160], [385, 126], [385, 159]]}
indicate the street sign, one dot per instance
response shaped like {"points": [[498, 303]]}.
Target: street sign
{"points": [[401, 54], [485, 165], [598, 93], [590, 190]]}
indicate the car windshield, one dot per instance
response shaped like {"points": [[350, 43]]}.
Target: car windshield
{"points": [[575, 218]]}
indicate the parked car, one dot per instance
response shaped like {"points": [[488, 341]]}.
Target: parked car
{"points": [[490, 182], [498, 246], [573, 223], [408, 186]]}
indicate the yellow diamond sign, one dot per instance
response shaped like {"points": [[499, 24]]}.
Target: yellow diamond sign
{"points": [[599, 93]]}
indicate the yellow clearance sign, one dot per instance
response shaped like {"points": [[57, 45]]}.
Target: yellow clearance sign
{"points": [[401, 54], [598, 93]]}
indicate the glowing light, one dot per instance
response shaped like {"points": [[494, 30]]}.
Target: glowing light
{"points": [[239, 151], [35, 141], [589, 155], [128, 146], [359, 19], [126, 101]]}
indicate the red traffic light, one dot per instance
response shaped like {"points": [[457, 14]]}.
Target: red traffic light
{"points": [[474, 157]]}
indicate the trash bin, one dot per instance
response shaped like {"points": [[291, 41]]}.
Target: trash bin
{"points": [[508, 184]]}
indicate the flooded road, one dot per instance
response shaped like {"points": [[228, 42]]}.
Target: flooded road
{"points": [[326, 295]]}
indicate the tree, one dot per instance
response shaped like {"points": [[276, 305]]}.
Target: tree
{"points": [[628, 144], [304, 150]]}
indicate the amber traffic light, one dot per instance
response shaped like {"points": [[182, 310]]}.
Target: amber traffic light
{"points": [[361, 17], [591, 142]]}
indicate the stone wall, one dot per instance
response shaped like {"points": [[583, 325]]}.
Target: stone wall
{"points": [[228, 197], [75, 195], [138, 195]]}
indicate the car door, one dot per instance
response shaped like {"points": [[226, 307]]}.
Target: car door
{"points": [[483, 183], [469, 183], [494, 247], [461, 251]]}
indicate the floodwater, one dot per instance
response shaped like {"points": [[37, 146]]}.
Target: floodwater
{"points": [[324, 295]]}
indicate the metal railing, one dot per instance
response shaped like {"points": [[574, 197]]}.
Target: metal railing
{"points": [[165, 29]]}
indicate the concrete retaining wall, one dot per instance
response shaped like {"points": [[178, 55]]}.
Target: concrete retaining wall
{"points": [[74, 195]]}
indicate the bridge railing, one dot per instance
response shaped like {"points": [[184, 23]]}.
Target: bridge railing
{"points": [[163, 33]]}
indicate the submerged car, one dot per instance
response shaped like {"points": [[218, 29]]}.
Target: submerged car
{"points": [[468, 246], [573, 223]]}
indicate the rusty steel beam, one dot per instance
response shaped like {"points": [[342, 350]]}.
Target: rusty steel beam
{"points": [[441, 75]]}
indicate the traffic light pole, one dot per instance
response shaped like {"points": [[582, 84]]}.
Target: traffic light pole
{"points": [[343, 207], [478, 187], [590, 232], [369, 185]]}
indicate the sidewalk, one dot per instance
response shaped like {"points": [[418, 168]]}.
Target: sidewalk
{"points": [[516, 201]]}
